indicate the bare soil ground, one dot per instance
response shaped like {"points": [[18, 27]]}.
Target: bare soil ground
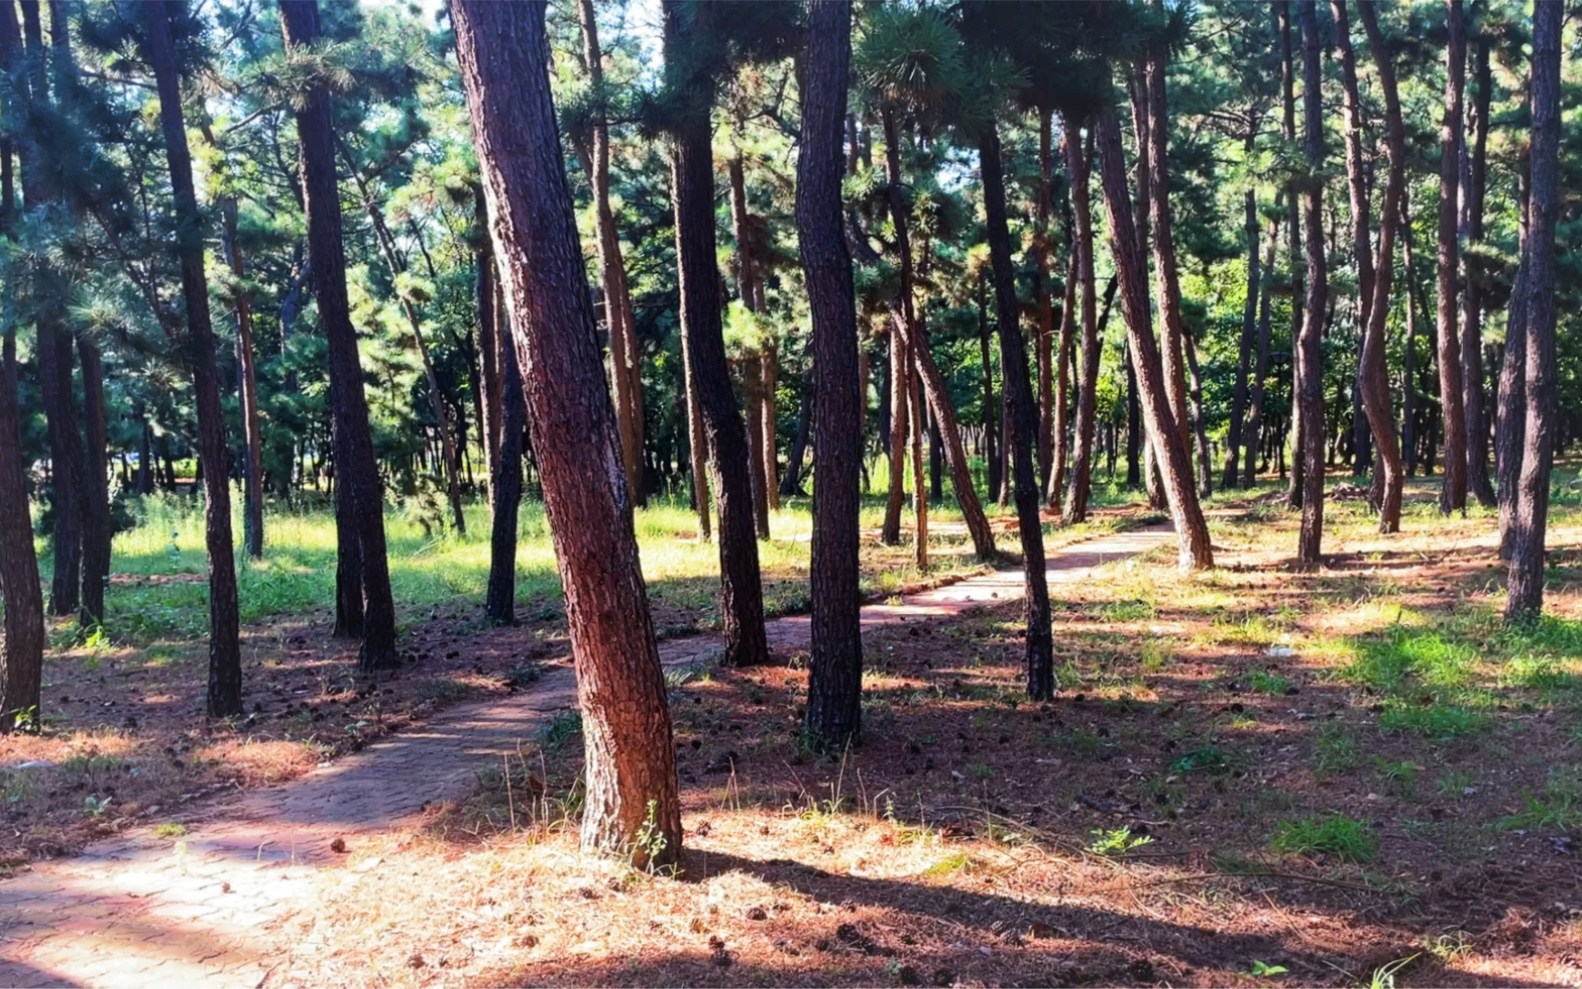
{"points": [[1253, 776]]}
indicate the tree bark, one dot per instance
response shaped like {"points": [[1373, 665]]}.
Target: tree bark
{"points": [[225, 655], [895, 498], [1046, 306], [791, 480], [1167, 282], [753, 366], [991, 408], [500, 599], [626, 370], [1293, 221], [1310, 361], [1374, 373], [1453, 494], [741, 593], [1131, 269], [1249, 338], [1409, 435], [356, 470], [1472, 195], [1525, 586], [252, 427], [1080, 166], [22, 650], [96, 530], [632, 803], [1022, 421], [490, 408], [1512, 422], [834, 704]]}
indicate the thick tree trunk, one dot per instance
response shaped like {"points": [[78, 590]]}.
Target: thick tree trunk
{"points": [[741, 593], [626, 372], [1373, 375], [834, 702], [1022, 420], [1525, 587], [1167, 282], [22, 649], [1453, 494], [1474, 181], [1079, 163], [225, 656], [356, 470], [490, 407], [1131, 268], [632, 805]]}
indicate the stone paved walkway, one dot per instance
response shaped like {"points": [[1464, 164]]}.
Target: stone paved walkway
{"points": [[143, 910]]}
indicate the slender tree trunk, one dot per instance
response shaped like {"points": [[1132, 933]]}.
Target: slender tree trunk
{"points": [[1525, 587], [991, 408], [1409, 412], [252, 427], [1079, 163], [1055, 488], [895, 498], [1172, 331], [1253, 433], [96, 531], [741, 593], [1453, 494], [791, 480], [1191, 528], [626, 375], [632, 803], [915, 418], [1295, 421], [356, 470], [1022, 421], [225, 658], [1474, 183], [1249, 337], [1373, 375], [1046, 317], [490, 402], [769, 362], [1310, 362], [1205, 466], [1512, 423], [697, 444], [752, 366], [500, 599]]}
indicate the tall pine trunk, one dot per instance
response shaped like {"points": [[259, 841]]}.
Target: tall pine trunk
{"points": [[500, 599], [692, 169], [1512, 423], [1079, 163], [632, 805], [1525, 586], [360, 501], [1309, 345], [1453, 494], [225, 656], [1021, 420], [1475, 182]]}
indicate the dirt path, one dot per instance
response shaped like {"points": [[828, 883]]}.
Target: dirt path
{"points": [[144, 909]]}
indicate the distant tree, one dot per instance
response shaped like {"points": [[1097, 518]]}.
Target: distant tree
{"points": [[1310, 355], [1453, 493]]}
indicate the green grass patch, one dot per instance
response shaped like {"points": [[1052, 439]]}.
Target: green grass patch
{"points": [[1334, 834]]}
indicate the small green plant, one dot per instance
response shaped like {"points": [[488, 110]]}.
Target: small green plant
{"points": [[1265, 682], [1335, 750], [1437, 722], [1558, 807], [1403, 775], [650, 843], [171, 829], [562, 728], [1384, 975], [1263, 970], [952, 862], [1210, 759], [95, 806], [1448, 947], [1117, 842], [1335, 834]]}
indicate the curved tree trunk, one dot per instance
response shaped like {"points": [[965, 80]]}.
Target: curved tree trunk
{"points": [[692, 171], [1191, 528], [1022, 421], [1453, 494], [356, 470], [632, 804], [225, 655], [834, 701], [1374, 374]]}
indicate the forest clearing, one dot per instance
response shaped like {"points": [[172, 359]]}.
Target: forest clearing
{"points": [[789, 492]]}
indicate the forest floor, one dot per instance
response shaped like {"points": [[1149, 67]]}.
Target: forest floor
{"points": [[1251, 776]]}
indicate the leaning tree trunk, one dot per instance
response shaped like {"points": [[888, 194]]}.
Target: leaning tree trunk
{"points": [[356, 470], [1374, 374], [1172, 332], [1022, 422], [225, 653], [834, 700], [1310, 360], [632, 804], [1079, 163], [626, 371], [1525, 585], [1453, 494], [1131, 268], [741, 593]]}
